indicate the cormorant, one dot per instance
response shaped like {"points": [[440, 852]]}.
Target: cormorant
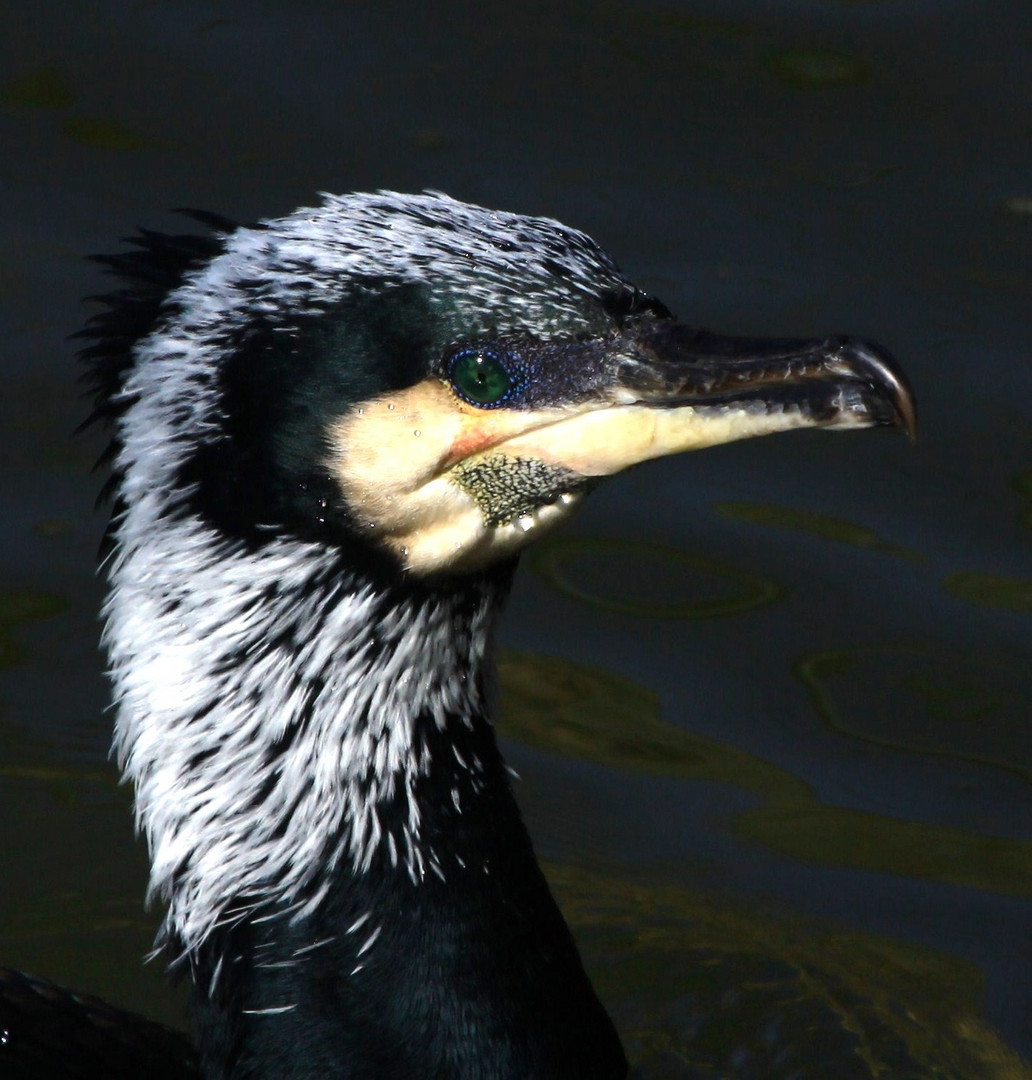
{"points": [[334, 433]]}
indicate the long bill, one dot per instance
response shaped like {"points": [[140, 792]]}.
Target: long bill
{"points": [[677, 388]]}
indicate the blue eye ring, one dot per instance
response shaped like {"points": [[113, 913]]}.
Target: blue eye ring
{"points": [[485, 376]]}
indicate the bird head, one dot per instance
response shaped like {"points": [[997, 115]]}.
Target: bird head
{"points": [[329, 428], [441, 384]]}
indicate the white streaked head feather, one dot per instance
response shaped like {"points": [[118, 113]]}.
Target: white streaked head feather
{"points": [[236, 803]]}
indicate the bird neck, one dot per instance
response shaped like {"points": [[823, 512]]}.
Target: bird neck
{"points": [[330, 820], [467, 973]]}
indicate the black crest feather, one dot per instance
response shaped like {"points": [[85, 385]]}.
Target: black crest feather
{"points": [[155, 265]]}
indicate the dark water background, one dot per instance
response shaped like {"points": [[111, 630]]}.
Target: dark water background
{"points": [[794, 671]]}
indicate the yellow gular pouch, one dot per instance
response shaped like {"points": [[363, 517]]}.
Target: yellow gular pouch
{"points": [[449, 487], [434, 480]]}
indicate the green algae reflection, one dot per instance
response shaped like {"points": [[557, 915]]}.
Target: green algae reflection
{"points": [[45, 88], [815, 68], [587, 713], [583, 712], [101, 134], [700, 989], [27, 758], [17, 607], [991, 590], [650, 580], [918, 700], [824, 526], [1022, 484], [73, 881]]}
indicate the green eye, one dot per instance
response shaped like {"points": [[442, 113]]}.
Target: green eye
{"points": [[480, 376]]}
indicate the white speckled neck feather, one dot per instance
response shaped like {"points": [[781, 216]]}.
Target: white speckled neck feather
{"points": [[266, 708]]}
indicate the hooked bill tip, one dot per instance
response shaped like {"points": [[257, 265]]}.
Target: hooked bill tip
{"points": [[877, 366]]}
